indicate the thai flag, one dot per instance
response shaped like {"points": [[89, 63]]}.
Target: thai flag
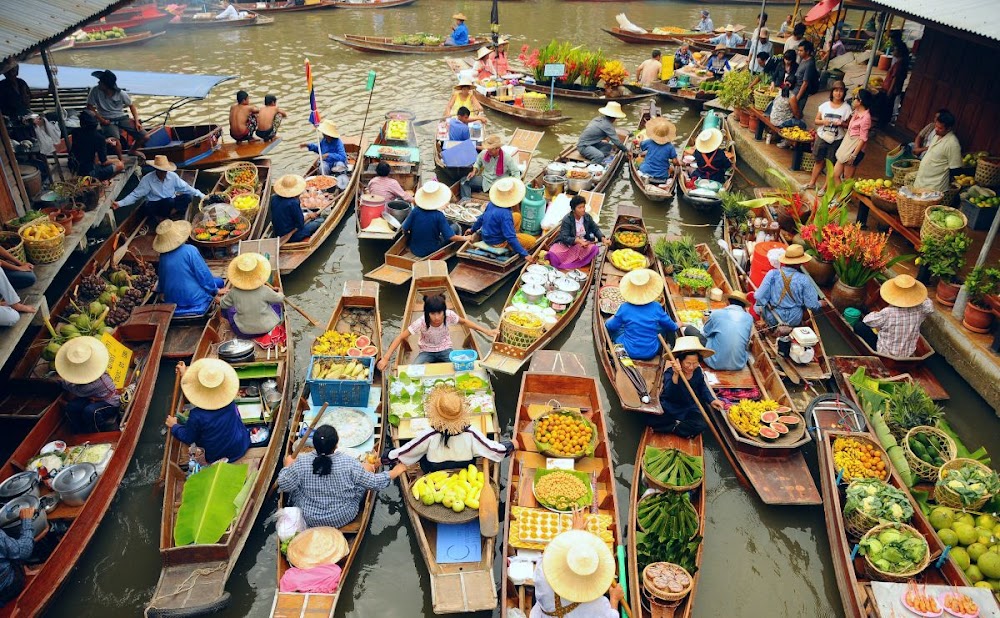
{"points": [[314, 110]]}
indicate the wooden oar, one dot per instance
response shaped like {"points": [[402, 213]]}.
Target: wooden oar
{"points": [[166, 445], [302, 444], [121, 251], [489, 524], [308, 317]]}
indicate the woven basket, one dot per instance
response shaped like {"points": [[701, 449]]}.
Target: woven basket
{"points": [[518, 336], [238, 189], [988, 171], [538, 104], [929, 229], [943, 442], [951, 195], [901, 578], [884, 205], [761, 99], [43, 251], [946, 496], [629, 228], [14, 244], [901, 168], [911, 210], [241, 166], [664, 595], [808, 162], [858, 523]]}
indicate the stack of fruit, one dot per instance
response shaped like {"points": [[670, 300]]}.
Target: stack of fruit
{"points": [[795, 134], [964, 180], [104, 35], [564, 434], [975, 544], [762, 418], [88, 321], [630, 239], [627, 260], [858, 459], [397, 130], [867, 186], [984, 201], [41, 231], [972, 158], [455, 491], [335, 343], [329, 369], [213, 230]]}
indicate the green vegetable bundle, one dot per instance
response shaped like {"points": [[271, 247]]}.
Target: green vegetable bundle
{"points": [[680, 254], [895, 549], [971, 482], [878, 500], [650, 549], [928, 450], [695, 279], [672, 467], [908, 406], [668, 515]]}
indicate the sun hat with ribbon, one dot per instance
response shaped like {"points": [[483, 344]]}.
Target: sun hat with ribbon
{"points": [[708, 141], [290, 185], [483, 52], [795, 254], [459, 16], [329, 128], [447, 410], [171, 235], [903, 291], [210, 383], [612, 109], [162, 163], [317, 546], [249, 271], [661, 130], [433, 195], [691, 344], [507, 192], [578, 566], [641, 286], [82, 360]]}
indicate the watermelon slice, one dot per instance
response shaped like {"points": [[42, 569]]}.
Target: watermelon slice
{"points": [[369, 351], [790, 420], [768, 417], [354, 352], [769, 434], [362, 342], [780, 427]]}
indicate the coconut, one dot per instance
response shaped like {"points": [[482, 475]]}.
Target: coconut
{"points": [[83, 323], [68, 330], [96, 308], [50, 351]]}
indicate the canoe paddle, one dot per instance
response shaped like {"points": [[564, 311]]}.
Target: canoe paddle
{"points": [[166, 446], [489, 524], [308, 317]]}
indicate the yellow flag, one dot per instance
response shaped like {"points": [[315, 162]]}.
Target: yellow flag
{"points": [[118, 361]]}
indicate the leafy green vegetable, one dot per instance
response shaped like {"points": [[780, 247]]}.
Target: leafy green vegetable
{"points": [[971, 483], [208, 504], [681, 253], [910, 406], [877, 499], [894, 550], [649, 549], [694, 278]]}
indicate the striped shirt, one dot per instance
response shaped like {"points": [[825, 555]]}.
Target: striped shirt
{"points": [[899, 328], [101, 389], [334, 499], [466, 446]]}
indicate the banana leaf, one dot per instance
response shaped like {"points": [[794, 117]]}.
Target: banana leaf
{"points": [[208, 504]]}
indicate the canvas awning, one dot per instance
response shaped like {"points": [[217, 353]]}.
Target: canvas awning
{"points": [[177, 85]]}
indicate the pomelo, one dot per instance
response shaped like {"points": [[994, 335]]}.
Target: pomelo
{"points": [[974, 574], [996, 530], [967, 535], [985, 520], [942, 517], [975, 551], [961, 557], [985, 535], [948, 536], [983, 584], [989, 565], [966, 518]]}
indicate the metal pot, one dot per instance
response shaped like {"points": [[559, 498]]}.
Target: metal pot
{"points": [[538, 269], [533, 293], [570, 286], [556, 169], [533, 279], [236, 351], [580, 184], [398, 213], [75, 483], [554, 185], [559, 301], [20, 484], [577, 275], [10, 516]]}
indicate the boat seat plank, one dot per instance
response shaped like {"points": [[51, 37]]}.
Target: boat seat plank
{"points": [[775, 478], [190, 585], [734, 379], [553, 361], [464, 591], [302, 605]]}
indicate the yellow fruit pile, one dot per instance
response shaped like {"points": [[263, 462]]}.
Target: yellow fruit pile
{"points": [[523, 319], [964, 180], [627, 260], [398, 130], [867, 186], [334, 343], [745, 415], [564, 434], [633, 240], [456, 491], [247, 201], [859, 459], [41, 231], [796, 134], [324, 369]]}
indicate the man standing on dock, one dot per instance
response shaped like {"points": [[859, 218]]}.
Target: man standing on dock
{"points": [[943, 156]]}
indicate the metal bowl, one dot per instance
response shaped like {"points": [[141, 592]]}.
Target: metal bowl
{"points": [[48, 502], [580, 184], [577, 275], [236, 350]]}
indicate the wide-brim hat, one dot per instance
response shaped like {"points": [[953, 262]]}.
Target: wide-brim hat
{"points": [[249, 271], [483, 52], [447, 410], [464, 82], [210, 383], [708, 140], [459, 16], [432, 195], [290, 185], [492, 141], [162, 163], [507, 192], [578, 566], [329, 128], [171, 235], [641, 286], [739, 297], [721, 47], [317, 546], [613, 109], [903, 291], [661, 130], [82, 360], [106, 76], [691, 344], [730, 28], [795, 254]]}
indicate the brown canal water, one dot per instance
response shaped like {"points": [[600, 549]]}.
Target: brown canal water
{"points": [[758, 560]]}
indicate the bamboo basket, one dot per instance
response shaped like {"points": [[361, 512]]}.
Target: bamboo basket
{"points": [[808, 162], [858, 523], [943, 442], [911, 210], [14, 244], [519, 336], [539, 104], [988, 171], [664, 595], [654, 482], [901, 168], [242, 166], [884, 205], [946, 496], [761, 99], [901, 578], [929, 229], [43, 251], [238, 189]]}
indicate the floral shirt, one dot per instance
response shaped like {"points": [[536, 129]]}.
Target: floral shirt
{"points": [[435, 338]]}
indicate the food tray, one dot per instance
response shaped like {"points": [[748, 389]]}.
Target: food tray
{"points": [[589, 451], [441, 514], [533, 528], [322, 183], [585, 479], [354, 427]]}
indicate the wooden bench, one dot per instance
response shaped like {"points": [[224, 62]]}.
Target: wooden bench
{"points": [[798, 149], [867, 207]]}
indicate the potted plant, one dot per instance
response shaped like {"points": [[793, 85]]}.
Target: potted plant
{"points": [[979, 283], [735, 93], [858, 257], [944, 257]]}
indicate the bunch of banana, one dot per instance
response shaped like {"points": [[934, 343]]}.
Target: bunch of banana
{"points": [[453, 491], [326, 369], [627, 259], [796, 134], [41, 231]]}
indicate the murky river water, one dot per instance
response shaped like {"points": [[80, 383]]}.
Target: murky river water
{"points": [[759, 560]]}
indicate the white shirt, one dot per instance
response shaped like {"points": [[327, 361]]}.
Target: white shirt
{"points": [[829, 112], [229, 13], [545, 598], [944, 154], [466, 446]]}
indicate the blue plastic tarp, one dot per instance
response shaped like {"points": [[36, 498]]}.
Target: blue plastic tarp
{"points": [[179, 85]]}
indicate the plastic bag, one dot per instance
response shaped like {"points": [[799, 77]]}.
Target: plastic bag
{"points": [[558, 209], [290, 522]]}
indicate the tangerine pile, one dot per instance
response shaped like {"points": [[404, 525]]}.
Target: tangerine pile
{"points": [[859, 459], [564, 434]]}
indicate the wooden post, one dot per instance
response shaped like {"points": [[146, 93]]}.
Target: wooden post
{"points": [[54, 89]]}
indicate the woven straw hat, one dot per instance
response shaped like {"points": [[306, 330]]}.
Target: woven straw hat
{"points": [[641, 286], [507, 192], [492, 141], [795, 254], [160, 162], [730, 28], [903, 291], [739, 297], [447, 410], [210, 383], [708, 141], [691, 344], [612, 109], [171, 235], [579, 566], [433, 195], [482, 53], [463, 82], [82, 360], [329, 128], [661, 130], [290, 185], [317, 546], [459, 16], [249, 271]]}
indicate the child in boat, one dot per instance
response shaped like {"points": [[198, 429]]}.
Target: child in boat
{"points": [[580, 239], [640, 320], [214, 423], [433, 330], [252, 307], [681, 413], [93, 404], [242, 117]]}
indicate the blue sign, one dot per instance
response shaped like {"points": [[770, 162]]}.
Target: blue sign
{"points": [[555, 70]]}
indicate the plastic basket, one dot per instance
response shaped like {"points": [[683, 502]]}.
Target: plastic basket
{"points": [[538, 104], [463, 360], [519, 336], [946, 496], [881, 575], [945, 445], [14, 244], [237, 168], [929, 229], [43, 251], [341, 392], [911, 210], [988, 171], [901, 168]]}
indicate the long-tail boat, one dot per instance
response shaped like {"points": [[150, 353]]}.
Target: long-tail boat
{"points": [[201, 146], [382, 44], [128, 39], [277, 7], [554, 377], [590, 96], [649, 38], [652, 191], [358, 303], [406, 171], [706, 202], [536, 117], [132, 18], [371, 4], [207, 21]]}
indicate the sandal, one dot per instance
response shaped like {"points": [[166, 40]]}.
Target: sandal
{"points": [[808, 187]]}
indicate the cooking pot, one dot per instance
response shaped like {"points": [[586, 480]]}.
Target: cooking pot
{"points": [[10, 516], [556, 169], [75, 483], [577, 275], [20, 484], [580, 184], [236, 351], [559, 301], [533, 293], [530, 278], [554, 184], [538, 269], [570, 286]]}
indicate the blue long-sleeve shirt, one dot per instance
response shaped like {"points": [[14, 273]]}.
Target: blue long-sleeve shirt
{"points": [[332, 150], [676, 400], [727, 333], [658, 158], [429, 231], [801, 295], [153, 189], [220, 432], [496, 226], [286, 215], [637, 328], [13, 551], [460, 35], [186, 281]]}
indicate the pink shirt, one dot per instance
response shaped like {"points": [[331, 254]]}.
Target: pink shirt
{"points": [[435, 339], [387, 187], [860, 124]]}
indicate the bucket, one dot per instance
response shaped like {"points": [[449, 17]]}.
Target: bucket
{"points": [[32, 180], [712, 121], [554, 185], [399, 214], [532, 210], [884, 62], [759, 265], [372, 207], [852, 315]]}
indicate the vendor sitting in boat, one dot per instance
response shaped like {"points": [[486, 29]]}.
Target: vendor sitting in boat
{"points": [[483, 66], [252, 307], [579, 240], [386, 187], [491, 165], [450, 442], [895, 330], [727, 39], [600, 135], [500, 62], [462, 97], [576, 570], [427, 228], [329, 485], [786, 292], [289, 222], [717, 63], [183, 276], [330, 148], [727, 333], [712, 162], [214, 423], [459, 32], [231, 12], [641, 319], [681, 413], [93, 403], [434, 338], [15, 550], [166, 193], [498, 226], [658, 149]]}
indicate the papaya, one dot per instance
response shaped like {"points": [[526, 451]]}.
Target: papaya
{"points": [[362, 342]]}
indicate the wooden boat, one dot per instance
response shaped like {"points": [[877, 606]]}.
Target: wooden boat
{"points": [[638, 601], [201, 146], [407, 173], [661, 89], [655, 39], [592, 96], [558, 376], [130, 18], [357, 296], [193, 578], [70, 528], [129, 39], [629, 218], [400, 261], [652, 191], [207, 21], [372, 4], [277, 7], [524, 140], [536, 117], [777, 470], [706, 202], [455, 587], [382, 44]]}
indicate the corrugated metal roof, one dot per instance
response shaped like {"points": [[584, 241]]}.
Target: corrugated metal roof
{"points": [[980, 17], [25, 24]]}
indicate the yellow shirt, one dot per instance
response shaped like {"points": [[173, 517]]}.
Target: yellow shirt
{"points": [[460, 102]]}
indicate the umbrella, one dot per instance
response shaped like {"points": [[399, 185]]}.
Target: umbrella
{"points": [[821, 10]]}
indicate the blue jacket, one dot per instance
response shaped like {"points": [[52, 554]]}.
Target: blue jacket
{"points": [[332, 150], [186, 281], [429, 231], [658, 157], [676, 400], [727, 333], [636, 327], [496, 226], [220, 432], [460, 35], [286, 215]]}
